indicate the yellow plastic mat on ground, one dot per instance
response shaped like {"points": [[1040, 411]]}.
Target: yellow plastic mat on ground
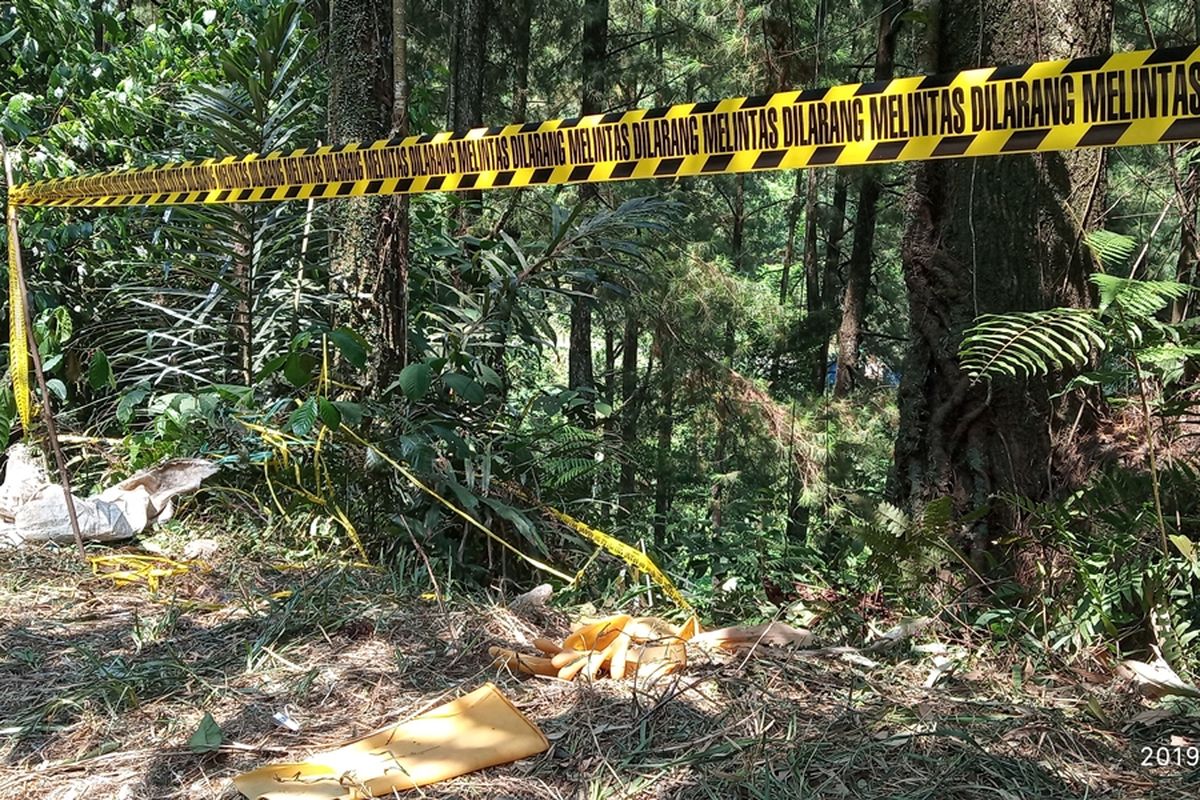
{"points": [[481, 729]]}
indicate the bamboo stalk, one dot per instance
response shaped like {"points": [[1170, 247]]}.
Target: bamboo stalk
{"points": [[51, 430]]}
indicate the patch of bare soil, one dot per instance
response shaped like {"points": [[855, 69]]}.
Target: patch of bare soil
{"points": [[101, 688]]}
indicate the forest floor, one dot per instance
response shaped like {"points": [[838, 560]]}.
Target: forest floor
{"points": [[102, 686]]}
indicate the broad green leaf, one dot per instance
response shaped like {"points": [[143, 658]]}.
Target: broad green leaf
{"points": [[414, 380], [129, 401], [329, 414], [298, 369], [489, 375], [208, 737], [352, 413], [304, 418], [100, 372], [352, 346], [464, 387]]}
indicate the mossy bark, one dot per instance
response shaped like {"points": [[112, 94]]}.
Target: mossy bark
{"points": [[994, 235]]}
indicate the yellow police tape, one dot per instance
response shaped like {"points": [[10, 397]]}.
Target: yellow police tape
{"points": [[1136, 98]]}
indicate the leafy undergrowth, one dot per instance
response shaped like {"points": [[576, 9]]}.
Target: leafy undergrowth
{"points": [[104, 687]]}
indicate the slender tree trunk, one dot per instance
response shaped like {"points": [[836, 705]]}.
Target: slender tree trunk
{"points": [[858, 276], [610, 366], [242, 274], [833, 246], [737, 252], [789, 259], [391, 285], [360, 98], [1188, 263], [523, 24], [818, 363], [468, 67], [665, 345], [580, 374], [993, 235], [630, 407]]}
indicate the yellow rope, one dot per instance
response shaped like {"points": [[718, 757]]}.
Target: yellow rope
{"points": [[415, 481], [630, 555], [18, 345]]}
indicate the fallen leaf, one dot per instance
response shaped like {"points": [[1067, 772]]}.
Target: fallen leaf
{"points": [[208, 737]]}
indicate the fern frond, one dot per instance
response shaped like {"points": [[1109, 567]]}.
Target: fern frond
{"points": [[1029, 343], [1110, 248], [1134, 298]]}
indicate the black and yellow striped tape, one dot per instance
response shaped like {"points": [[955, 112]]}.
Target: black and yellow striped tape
{"points": [[1137, 98]]}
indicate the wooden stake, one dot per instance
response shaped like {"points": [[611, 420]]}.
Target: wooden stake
{"points": [[51, 430]]}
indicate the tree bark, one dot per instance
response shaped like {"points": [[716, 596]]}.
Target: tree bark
{"points": [[391, 284], [665, 345], [1188, 262], [520, 57], [737, 251], [858, 275], [467, 70], [359, 102], [630, 407], [993, 235], [818, 362], [580, 375]]}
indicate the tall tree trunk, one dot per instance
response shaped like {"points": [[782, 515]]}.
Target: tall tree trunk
{"points": [[242, 275], [737, 252], [391, 284], [467, 70], [630, 407], [858, 276], [993, 235], [1188, 262], [833, 246], [789, 259], [595, 45], [522, 25], [359, 102], [819, 359], [665, 344]]}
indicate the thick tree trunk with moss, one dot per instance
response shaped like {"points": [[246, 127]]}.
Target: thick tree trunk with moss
{"points": [[993, 235], [360, 99]]}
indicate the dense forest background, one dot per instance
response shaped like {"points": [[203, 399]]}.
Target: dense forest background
{"points": [[778, 385]]}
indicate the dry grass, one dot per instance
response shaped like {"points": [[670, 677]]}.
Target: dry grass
{"points": [[103, 686]]}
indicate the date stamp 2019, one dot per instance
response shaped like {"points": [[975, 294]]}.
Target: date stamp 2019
{"points": [[1170, 755]]}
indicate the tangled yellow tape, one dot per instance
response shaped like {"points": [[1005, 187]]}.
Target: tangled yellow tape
{"points": [[1137, 98]]}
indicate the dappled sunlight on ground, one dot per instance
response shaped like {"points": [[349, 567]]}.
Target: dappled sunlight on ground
{"points": [[103, 687]]}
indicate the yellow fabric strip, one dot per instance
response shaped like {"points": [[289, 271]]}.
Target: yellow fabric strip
{"points": [[18, 344], [1136, 98]]}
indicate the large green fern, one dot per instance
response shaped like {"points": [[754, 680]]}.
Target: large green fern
{"points": [[1030, 343]]}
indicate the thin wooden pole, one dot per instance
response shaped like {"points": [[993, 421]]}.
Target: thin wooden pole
{"points": [[51, 430]]}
